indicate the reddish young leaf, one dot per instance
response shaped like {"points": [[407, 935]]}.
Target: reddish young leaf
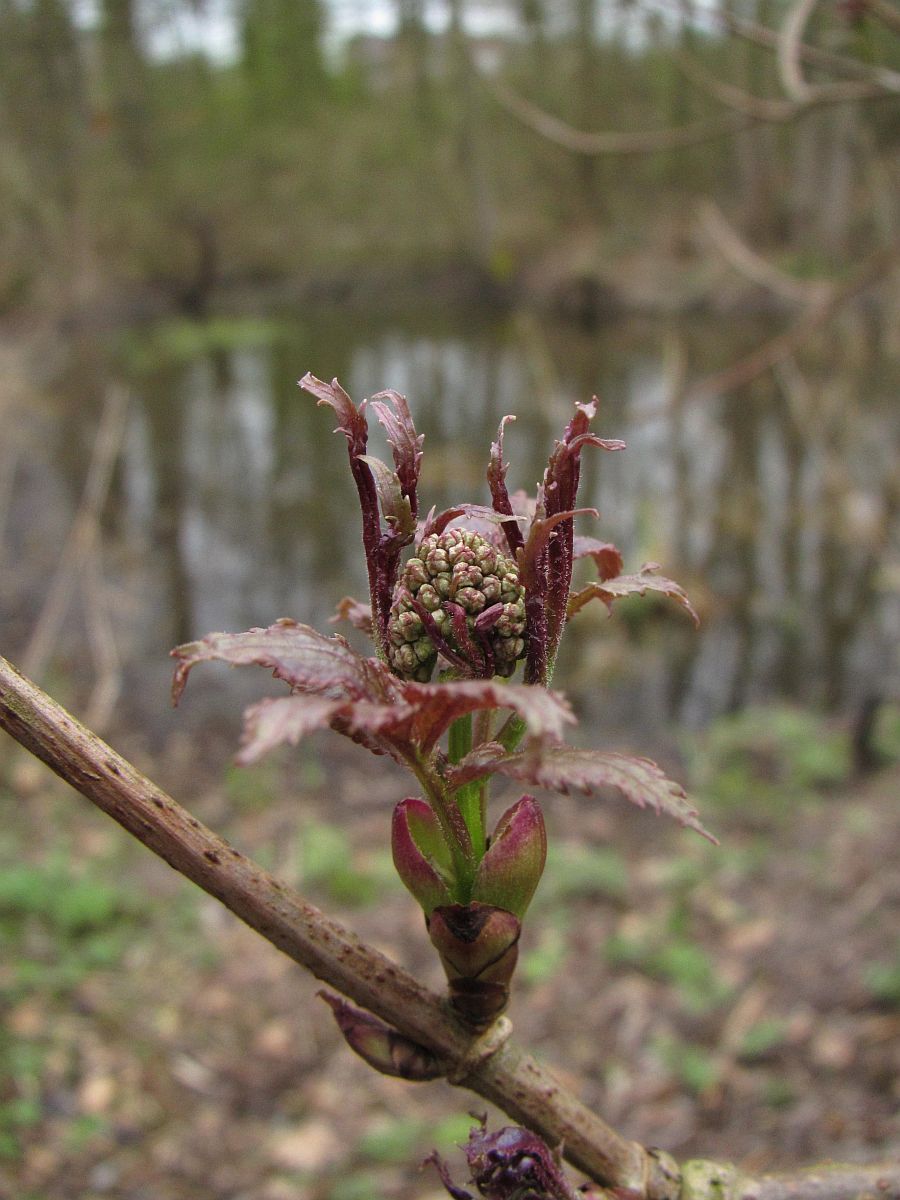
{"points": [[381, 560], [436, 705], [511, 1164], [403, 440], [437, 522], [607, 556], [302, 657], [496, 477], [351, 420], [272, 722], [358, 614], [566, 769], [395, 506], [560, 489], [631, 585]]}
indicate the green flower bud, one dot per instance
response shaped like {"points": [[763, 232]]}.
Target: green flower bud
{"points": [[510, 870], [453, 571]]}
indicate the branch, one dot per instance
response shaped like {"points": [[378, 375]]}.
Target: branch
{"points": [[787, 51], [508, 1077], [753, 266], [761, 35], [616, 142], [777, 349], [886, 12]]}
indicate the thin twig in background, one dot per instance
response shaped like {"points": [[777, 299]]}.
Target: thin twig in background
{"points": [[83, 533], [745, 260], [787, 51], [738, 374]]}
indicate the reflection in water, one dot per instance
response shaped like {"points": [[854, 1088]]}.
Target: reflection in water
{"points": [[775, 506]]}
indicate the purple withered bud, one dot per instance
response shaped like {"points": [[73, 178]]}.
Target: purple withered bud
{"points": [[421, 854], [509, 872], [513, 1164], [380, 1046], [478, 946]]}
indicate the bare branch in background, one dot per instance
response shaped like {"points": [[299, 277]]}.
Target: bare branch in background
{"points": [[787, 51], [753, 266], [745, 112], [83, 534], [762, 35], [886, 12], [873, 269], [615, 142]]}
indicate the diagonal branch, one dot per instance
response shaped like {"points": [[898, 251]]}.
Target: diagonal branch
{"points": [[777, 349], [507, 1076]]}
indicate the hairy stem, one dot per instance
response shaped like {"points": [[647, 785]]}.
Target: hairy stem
{"points": [[453, 824], [469, 797]]}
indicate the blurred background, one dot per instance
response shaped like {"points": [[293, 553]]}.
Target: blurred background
{"points": [[691, 210]]}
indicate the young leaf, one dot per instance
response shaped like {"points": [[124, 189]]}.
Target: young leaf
{"points": [[607, 557], [358, 614], [496, 477], [566, 769], [645, 581], [272, 722], [437, 522], [403, 440], [394, 504], [299, 655], [351, 420], [436, 705]]}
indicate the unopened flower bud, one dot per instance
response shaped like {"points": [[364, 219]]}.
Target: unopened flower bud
{"points": [[421, 854], [510, 870], [457, 572]]}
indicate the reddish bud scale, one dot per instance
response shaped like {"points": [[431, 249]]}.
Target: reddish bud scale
{"points": [[478, 945]]}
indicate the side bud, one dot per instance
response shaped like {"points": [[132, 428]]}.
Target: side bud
{"points": [[421, 854], [380, 1046], [478, 945], [512, 867]]}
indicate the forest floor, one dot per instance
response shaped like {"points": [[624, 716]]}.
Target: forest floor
{"points": [[739, 1002]]}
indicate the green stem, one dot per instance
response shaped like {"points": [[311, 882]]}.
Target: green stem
{"points": [[453, 825], [512, 733], [469, 798]]}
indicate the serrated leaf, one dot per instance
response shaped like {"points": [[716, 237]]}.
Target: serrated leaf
{"points": [[287, 719], [351, 420], [358, 614], [607, 557], [272, 722], [395, 506], [299, 655], [567, 769], [405, 443], [437, 522], [436, 705], [632, 585]]}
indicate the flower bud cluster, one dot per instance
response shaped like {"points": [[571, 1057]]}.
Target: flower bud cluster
{"points": [[470, 595]]}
